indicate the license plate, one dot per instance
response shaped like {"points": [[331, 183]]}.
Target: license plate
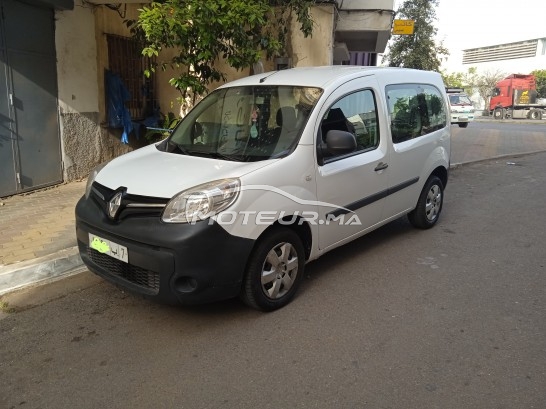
{"points": [[109, 248]]}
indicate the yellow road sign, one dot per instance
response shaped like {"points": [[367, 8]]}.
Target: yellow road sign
{"points": [[403, 27]]}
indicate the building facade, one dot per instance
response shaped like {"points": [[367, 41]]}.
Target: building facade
{"points": [[57, 93], [519, 57]]}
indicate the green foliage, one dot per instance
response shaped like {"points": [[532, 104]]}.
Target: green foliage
{"points": [[460, 80], [455, 79], [169, 122], [203, 32], [540, 76], [419, 50]]}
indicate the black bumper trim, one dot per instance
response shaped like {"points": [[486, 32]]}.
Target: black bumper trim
{"points": [[203, 254]]}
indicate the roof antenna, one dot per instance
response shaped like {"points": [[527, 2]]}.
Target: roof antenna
{"points": [[262, 80]]}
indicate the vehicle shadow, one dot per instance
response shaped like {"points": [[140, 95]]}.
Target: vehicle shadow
{"points": [[315, 271]]}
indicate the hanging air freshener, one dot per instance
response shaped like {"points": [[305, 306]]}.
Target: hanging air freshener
{"points": [[253, 129]]}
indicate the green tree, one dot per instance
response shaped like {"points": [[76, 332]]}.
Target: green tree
{"points": [[464, 80], [484, 83], [540, 76], [454, 79], [203, 32], [419, 50]]}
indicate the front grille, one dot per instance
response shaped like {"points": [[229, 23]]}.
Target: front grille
{"points": [[131, 205], [146, 279]]}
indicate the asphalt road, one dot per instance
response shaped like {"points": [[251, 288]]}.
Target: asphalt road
{"points": [[488, 139], [452, 317]]}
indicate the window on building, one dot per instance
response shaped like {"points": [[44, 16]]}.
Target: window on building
{"points": [[126, 60]]}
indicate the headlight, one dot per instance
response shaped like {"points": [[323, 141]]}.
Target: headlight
{"points": [[201, 202], [92, 177]]}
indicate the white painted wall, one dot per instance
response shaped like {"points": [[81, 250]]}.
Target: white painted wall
{"points": [[319, 48], [85, 143], [77, 59]]}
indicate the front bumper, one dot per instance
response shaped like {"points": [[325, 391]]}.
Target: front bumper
{"points": [[170, 263], [456, 118]]}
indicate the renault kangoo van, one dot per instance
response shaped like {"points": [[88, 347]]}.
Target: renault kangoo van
{"points": [[264, 175]]}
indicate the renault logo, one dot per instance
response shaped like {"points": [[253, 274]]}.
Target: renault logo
{"points": [[114, 204]]}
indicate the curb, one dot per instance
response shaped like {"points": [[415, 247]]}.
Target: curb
{"points": [[456, 165], [40, 270], [510, 120]]}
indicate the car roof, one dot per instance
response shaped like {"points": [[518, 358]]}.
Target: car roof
{"points": [[325, 76]]}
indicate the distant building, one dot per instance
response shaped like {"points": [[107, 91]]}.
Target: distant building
{"points": [[519, 57]]}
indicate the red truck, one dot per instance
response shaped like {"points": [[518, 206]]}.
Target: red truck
{"points": [[516, 97]]}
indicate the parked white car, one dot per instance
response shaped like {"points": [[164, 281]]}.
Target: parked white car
{"points": [[264, 175]]}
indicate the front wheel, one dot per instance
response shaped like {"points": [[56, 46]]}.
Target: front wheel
{"points": [[426, 213], [498, 113], [274, 270]]}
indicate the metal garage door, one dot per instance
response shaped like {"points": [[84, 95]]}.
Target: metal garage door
{"points": [[30, 148]]}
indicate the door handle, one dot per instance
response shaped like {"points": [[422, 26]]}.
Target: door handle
{"points": [[381, 166]]}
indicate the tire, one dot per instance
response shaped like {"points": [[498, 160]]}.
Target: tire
{"points": [[274, 270], [426, 213], [463, 124], [498, 113], [535, 114]]}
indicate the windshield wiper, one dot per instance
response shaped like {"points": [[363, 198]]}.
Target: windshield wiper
{"points": [[218, 155], [182, 150], [171, 147]]}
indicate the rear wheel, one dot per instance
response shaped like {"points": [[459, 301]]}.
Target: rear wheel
{"points": [[426, 213], [274, 271], [535, 114]]}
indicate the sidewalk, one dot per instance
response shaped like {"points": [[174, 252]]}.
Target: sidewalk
{"points": [[37, 236], [37, 232]]}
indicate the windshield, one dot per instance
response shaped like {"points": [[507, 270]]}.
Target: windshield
{"points": [[248, 123], [459, 100]]}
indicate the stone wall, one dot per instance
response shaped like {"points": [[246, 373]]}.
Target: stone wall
{"points": [[87, 144]]}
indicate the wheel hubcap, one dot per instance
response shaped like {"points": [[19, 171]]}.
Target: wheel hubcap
{"points": [[279, 270], [434, 203]]}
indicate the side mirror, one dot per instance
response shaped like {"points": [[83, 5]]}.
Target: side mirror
{"points": [[340, 142]]}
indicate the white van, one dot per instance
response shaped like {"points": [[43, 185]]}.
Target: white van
{"points": [[462, 110], [264, 175]]}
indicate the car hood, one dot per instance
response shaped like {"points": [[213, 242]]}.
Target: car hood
{"points": [[150, 172]]}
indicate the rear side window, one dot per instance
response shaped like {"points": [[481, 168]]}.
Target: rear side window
{"points": [[415, 110]]}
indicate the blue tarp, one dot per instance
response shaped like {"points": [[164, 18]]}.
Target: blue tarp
{"points": [[118, 114]]}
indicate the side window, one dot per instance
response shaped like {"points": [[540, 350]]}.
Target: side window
{"points": [[435, 106], [414, 110], [403, 112], [355, 113]]}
